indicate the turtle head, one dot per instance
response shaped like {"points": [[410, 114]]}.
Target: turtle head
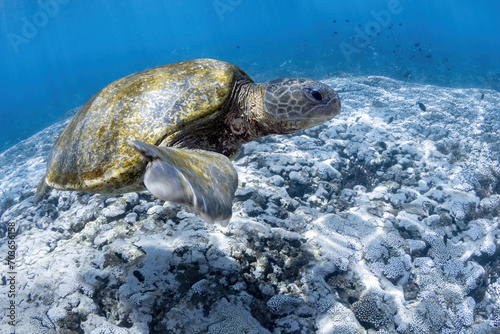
{"points": [[294, 104]]}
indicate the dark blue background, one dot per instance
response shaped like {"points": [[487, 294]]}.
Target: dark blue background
{"points": [[55, 54]]}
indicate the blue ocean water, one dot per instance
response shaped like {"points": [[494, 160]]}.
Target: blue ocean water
{"points": [[56, 54]]}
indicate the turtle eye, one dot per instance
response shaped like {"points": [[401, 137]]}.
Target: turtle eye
{"points": [[317, 95]]}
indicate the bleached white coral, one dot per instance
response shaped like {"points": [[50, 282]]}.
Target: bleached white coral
{"points": [[336, 318], [465, 312], [371, 309], [477, 229], [453, 268], [235, 320], [425, 263], [201, 287], [441, 252], [279, 304], [488, 247], [395, 268]]}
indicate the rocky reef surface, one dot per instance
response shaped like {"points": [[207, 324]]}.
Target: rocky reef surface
{"points": [[384, 220]]}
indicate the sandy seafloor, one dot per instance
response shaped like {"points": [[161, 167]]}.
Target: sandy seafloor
{"points": [[384, 220]]}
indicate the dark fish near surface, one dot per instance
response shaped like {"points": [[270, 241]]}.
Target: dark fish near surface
{"points": [[421, 106]]}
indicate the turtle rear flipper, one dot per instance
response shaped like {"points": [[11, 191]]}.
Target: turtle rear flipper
{"points": [[42, 190], [205, 181]]}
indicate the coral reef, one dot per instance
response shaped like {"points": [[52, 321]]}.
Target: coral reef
{"points": [[384, 220]]}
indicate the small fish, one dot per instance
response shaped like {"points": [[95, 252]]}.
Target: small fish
{"points": [[421, 106], [417, 45], [334, 21], [347, 21], [482, 96]]}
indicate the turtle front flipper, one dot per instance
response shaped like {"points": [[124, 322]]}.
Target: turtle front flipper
{"points": [[205, 181]]}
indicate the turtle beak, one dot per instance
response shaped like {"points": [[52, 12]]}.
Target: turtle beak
{"points": [[324, 104], [329, 108]]}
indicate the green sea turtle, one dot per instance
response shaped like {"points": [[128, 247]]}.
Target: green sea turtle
{"points": [[172, 129]]}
